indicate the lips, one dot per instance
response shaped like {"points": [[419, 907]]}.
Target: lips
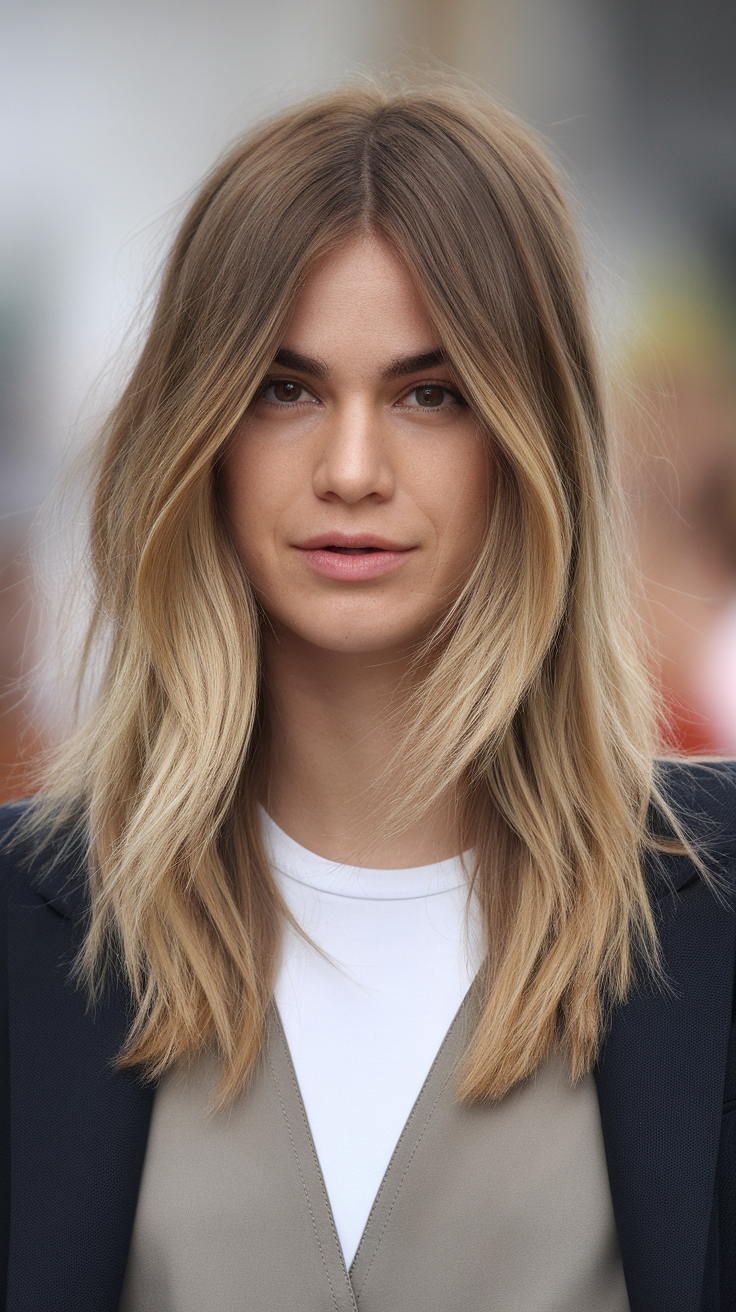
{"points": [[351, 542], [352, 557]]}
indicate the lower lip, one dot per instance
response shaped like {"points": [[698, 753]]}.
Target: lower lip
{"points": [[353, 569]]}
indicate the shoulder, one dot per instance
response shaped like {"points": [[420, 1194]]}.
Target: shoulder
{"points": [[702, 789], [702, 796], [16, 853], [41, 865]]}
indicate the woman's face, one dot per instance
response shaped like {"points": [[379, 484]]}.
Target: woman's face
{"points": [[358, 485]]}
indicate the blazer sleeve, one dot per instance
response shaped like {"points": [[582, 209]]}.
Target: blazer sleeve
{"points": [[9, 861], [707, 802], [723, 1225]]}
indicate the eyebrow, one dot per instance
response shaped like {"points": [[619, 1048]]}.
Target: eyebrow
{"points": [[304, 364], [412, 364], [404, 364]]}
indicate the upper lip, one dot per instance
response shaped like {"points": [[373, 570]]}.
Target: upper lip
{"points": [[354, 540]]}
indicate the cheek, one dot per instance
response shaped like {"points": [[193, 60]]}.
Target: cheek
{"points": [[247, 488], [467, 493]]}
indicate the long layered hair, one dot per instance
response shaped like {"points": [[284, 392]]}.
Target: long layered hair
{"points": [[532, 706]]}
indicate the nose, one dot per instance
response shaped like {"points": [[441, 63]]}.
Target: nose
{"points": [[353, 461]]}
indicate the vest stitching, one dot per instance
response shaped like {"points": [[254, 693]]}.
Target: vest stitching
{"points": [[304, 1187], [315, 1159], [430, 1114]]}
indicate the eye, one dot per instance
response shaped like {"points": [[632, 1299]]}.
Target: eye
{"points": [[430, 396], [285, 391]]}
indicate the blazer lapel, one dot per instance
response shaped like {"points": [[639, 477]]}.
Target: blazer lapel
{"points": [[660, 1088], [78, 1128]]}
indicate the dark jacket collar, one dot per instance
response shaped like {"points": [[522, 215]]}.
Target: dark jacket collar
{"points": [[78, 1126], [661, 1073]]}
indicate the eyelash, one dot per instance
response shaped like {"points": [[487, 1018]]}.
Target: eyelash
{"points": [[284, 405], [428, 382]]}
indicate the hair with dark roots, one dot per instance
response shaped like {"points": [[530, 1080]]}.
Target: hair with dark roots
{"points": [[532, 704]]}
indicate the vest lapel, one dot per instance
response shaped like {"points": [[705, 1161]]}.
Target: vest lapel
{"points": [[78, 1129], [310, 1173], [441, 1072], [660, 1089]]}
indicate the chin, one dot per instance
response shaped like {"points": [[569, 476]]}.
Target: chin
{"points": [[368, 626], [364, 635], [363, 644]]}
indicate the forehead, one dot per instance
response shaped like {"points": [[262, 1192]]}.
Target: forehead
{"points": [[359, 300]]}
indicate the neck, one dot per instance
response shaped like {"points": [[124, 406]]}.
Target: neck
{"points": [[336, 722]]}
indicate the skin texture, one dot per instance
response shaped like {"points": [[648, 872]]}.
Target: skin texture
{"points": [[361, 441]]}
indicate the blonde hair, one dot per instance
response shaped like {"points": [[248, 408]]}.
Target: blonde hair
{"points": [[533, 706]]}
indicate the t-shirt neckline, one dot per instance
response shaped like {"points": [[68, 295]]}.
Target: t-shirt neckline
{"points": [[293, 861]]}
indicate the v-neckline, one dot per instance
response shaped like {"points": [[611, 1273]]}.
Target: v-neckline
{"points": [[345, 1284]]}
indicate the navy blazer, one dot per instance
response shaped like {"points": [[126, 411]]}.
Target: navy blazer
{"points": [[74, 1130]]}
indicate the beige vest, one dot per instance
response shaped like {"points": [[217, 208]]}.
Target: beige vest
{"points": [[503, 1207]]}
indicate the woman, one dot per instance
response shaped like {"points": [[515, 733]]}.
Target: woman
{"points": [[371, 750]]}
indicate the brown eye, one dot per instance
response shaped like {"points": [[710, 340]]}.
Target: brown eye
{"points": [[430, 397], [284, 391]]}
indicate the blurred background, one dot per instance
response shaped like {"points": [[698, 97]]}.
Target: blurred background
{"points": [[112, 111]]}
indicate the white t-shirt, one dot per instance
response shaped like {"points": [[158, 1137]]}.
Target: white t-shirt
{"points": [[364, 1027]]}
